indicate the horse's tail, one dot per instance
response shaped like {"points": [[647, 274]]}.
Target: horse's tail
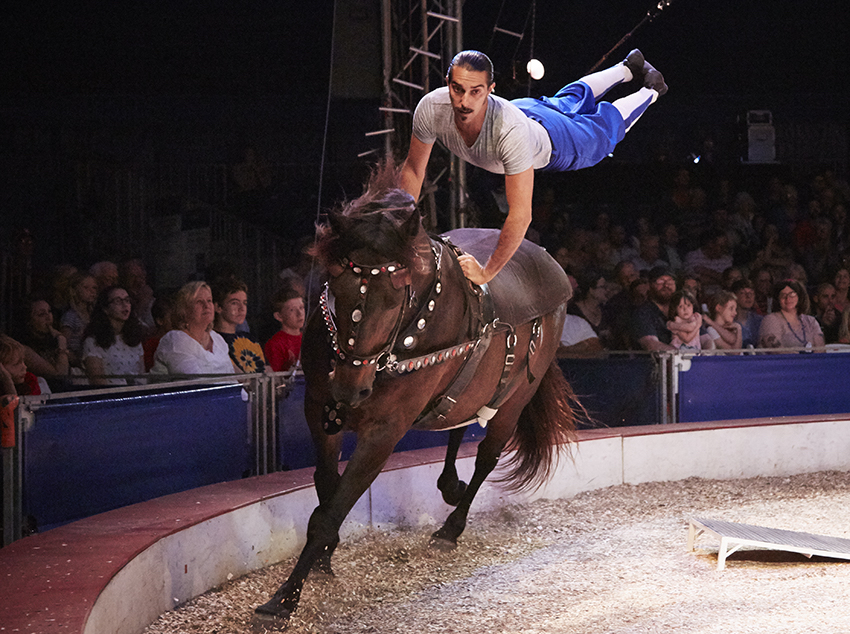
{"points": [[546, 425]]}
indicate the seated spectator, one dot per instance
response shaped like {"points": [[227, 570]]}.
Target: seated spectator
{"points": [[841, 282], [670, 247], [76, 318], [14, 377], [587, 303], [823, 302], [230, 297], [161, 313], [685, 321], [746, 316], [763, 285], [710, 260], [106, 274], [649, 320], [724, 331], [649, 253], [133, 276], [730, 276], [844, 327], [578, 339], [790, 326], [46, 349], [774, 255], [692, 284], [113, 339], [193, 347], [284, 349]]}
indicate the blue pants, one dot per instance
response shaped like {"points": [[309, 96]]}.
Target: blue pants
{"points": [[582, 131]]}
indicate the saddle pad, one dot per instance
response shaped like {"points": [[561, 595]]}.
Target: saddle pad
{"points": [[530, 285]]}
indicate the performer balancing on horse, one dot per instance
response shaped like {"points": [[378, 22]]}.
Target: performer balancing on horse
{"points": [[566, 132]]}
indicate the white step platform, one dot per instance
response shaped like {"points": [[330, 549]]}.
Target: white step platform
{"points": [[733, 536]]}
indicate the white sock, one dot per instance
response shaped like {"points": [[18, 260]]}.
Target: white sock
{"points": [[604, 80], [632, 106]]}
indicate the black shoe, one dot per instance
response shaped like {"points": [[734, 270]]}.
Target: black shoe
{"points": [[635, 62], [654, 80]]}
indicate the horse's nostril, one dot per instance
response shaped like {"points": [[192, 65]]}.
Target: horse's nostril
{"points": [[365, 393]]}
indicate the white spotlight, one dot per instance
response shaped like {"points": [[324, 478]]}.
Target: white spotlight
{"points": [[535, 68]]}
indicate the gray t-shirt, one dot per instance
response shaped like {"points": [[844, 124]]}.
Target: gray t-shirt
{"points": [[509, 142]]}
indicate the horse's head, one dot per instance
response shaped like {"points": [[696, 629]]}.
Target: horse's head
{"points": [[370, 249]]}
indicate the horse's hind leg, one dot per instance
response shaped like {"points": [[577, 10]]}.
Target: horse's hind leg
{"points": [[448, 483]]}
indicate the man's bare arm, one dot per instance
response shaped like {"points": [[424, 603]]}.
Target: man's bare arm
{"points": [[414, 167], [518, 190]]}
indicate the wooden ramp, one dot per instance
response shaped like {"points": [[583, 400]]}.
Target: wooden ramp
{"points": [[734, 536]]}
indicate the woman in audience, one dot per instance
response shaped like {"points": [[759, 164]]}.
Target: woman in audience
{"points": [[722, 327], [76, 318], [790, 326], [591, 294], [841, 282], [194, 347], [113, 339], [45, 348]]}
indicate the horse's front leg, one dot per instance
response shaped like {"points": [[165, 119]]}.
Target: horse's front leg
{"points": [[373, 450], [448, 483]]}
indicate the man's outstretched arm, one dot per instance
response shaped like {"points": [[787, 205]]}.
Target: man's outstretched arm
{"points": [[414, 167], [519, 189]]}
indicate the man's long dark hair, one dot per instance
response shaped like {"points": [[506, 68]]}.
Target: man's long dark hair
{"points": [[473, 60], [101, 328]]}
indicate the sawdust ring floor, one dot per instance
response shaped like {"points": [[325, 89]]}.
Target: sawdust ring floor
{"points": [[613, 560]]}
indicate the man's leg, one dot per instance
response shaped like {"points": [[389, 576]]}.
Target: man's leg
{"points": [[634, 66], [631, 107]]}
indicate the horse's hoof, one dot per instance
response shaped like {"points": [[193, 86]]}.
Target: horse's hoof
{"points": [[272, 613], [439, 541]]}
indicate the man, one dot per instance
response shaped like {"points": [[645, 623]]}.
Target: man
{"points": [[566, 132], [710, 260], [746, 316], [649, 322]]}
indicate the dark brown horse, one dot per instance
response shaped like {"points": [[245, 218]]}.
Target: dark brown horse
{"points": [[402, 340]]}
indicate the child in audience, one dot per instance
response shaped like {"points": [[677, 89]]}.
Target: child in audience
{"points": [[284, 349], [13, 371], [685, 321], [230, 297]]}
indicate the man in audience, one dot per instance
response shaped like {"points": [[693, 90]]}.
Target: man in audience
{"points": [[710, 260], [747, 316], [649, 321], [106, 274]]}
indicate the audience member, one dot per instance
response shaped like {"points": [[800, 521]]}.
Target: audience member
{"points": [[61, 280], [692, 284], [587, 303], [133, 276], [283, 350], [649, 253], [193, 347], [844, 327], [670, 247], [113, 339], [749, 320], [76, 318], [649, 320], [578, 339], [46, 349], [824, 310], [161, 313], [14, 377], [730, 276], [230, 297], [790, 326], [710, 260], [106, 274], [724, 331], [684, 321], [763, 285], [841, 281]]}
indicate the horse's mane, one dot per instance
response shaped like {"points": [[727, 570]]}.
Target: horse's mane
{"points": [[383, 219]]}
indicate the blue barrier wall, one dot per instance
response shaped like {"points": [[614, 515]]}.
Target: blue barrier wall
{"points": [[83, 458], [737, 387], [616, 391]]}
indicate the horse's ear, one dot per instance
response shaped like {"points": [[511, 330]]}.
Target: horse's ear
{"points": [[338, 221], [412, 224], [400, 278]]}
